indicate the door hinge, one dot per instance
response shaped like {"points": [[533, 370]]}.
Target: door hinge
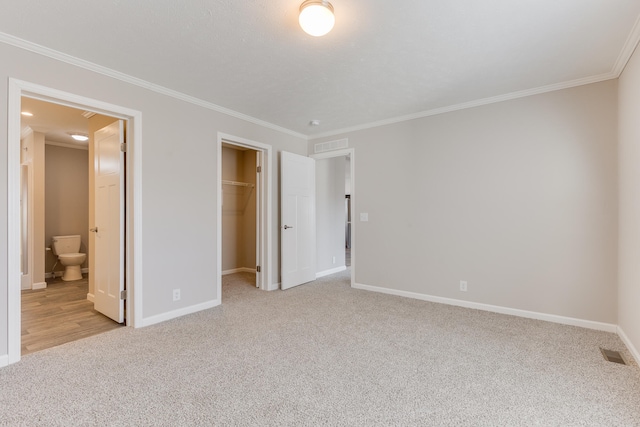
{"points": [[123, 294], [258, 269], [259, 169], [123, 147]]}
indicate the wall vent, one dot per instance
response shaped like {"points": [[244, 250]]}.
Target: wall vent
{"points": [[321, 147]]}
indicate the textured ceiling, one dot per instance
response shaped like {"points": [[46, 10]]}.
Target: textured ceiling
{"points": [[383, 60]]}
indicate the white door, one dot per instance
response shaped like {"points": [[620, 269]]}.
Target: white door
{"points": [[259, 202], [109, 216], [297, 219]]}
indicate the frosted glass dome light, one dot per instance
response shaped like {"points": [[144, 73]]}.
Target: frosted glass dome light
{"points": [[316, 17]]}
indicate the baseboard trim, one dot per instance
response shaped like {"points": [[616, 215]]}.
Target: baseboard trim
{"points": [[39, 285], [331, 271], [55, 274], [91, 297], [274, 287], [589, 324], [239, 270], [632, 349], [179, 313], [4, 360]]}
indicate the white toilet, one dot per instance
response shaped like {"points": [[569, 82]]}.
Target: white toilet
{"points": [[67, 248]]}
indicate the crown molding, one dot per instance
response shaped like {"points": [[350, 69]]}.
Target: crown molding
{"points": [[623, 57], [627, 50], [90, 66], [25, 132], [629, 47], [471, 104]]}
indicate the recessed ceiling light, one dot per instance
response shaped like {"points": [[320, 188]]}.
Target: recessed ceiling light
{"points": [[79, 136], [26, 113]]}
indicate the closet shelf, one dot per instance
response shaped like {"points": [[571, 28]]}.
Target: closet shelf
{"points": [[236, 196], [237, 183]]}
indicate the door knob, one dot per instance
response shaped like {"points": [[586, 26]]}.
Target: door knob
{"points": [[287, 227], [94, 229]]}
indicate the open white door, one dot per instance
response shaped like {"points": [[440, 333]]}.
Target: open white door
{"points": [[297, 219], [109, 215]]}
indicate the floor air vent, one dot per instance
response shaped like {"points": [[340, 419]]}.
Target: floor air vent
{"points": [[613, 356]]}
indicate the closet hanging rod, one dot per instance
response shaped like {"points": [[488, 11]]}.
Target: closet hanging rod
{"points": [[237, 184]]}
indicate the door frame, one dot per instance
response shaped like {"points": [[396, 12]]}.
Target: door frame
{"points": [[133, 213], [264, 197], [351, 153], [28, 217]]}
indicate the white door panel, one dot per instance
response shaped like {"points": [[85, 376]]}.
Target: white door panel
{"points": [[297, 221], [109, 221]]}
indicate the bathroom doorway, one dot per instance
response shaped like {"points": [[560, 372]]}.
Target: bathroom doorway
{"points": [[28, 237], [57, 184]]}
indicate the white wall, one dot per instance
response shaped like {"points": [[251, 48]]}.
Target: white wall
{"points": [[629, 227], [518, 198], [179, 179], [330, 214]]}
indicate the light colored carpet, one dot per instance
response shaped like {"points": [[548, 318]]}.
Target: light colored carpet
{"points": [[325, 354]]}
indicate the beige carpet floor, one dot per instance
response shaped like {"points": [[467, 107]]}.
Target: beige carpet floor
{"points": [[326, 354]]}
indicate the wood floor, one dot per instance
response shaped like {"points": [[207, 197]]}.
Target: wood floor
{"points": [[58, 314]]}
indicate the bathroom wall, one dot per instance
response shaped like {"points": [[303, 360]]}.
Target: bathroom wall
{"points": [[238, 210], [66, 197]]}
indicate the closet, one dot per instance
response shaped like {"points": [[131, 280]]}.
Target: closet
{"points": [[238, 209]]}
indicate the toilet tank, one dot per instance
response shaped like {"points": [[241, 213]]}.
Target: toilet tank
{"points": [[65, 244]]}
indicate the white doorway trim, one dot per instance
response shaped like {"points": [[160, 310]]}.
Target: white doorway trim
{"points": [[133, 273], [351, 153], [264, 200]]}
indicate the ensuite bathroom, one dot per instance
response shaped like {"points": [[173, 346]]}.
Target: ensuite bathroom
{"points": [[56, 204]]}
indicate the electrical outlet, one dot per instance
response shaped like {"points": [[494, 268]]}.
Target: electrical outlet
{"points": [[334, 260], [176, 294], [463, 286]]}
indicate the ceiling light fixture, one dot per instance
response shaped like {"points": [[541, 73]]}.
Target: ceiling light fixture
{"points": [[79, 137], [316, 17]]}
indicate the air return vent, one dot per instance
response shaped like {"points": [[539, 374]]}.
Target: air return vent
{"points": [[321, 147], [613, 356]]}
